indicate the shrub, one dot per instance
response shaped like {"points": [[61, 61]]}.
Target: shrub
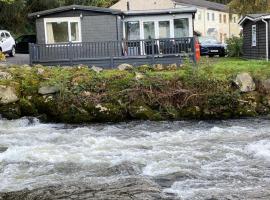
{"points": [[235, 46], [2, 56]]}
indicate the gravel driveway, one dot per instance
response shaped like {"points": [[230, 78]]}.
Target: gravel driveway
{"points": [[19, 59]]}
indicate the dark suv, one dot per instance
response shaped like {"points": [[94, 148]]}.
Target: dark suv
{"points": [[22, 43], [211, 47]]}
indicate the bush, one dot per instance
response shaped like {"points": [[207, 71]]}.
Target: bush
{"points": [[2, 56], [235, 46]]}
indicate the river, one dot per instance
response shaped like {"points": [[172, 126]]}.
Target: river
{"points": [[148, 160]]}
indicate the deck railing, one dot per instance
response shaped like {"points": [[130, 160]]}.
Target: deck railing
{"points": [[110, 53]]}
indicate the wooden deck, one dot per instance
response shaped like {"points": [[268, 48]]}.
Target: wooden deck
{"points": [[113, 53]]}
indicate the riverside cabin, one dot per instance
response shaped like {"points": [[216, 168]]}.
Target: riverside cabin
{"points": [[106, 37], [256, 36]]}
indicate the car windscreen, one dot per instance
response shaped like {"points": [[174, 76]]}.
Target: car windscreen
{"points": [[205, 40]]}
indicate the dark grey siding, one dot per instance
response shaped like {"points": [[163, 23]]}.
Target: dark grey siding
{"points": [[40, 31], [258, 52], [95, 26], [100, 28]]}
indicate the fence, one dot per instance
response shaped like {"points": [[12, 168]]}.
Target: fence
{"points": [[113, 53]]}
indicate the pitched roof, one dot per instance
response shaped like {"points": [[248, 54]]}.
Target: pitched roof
{"points": [[204, 4], [75, 7], [254, 17]]}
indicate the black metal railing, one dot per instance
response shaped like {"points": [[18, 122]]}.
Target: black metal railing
{"points": [[74, 53]]}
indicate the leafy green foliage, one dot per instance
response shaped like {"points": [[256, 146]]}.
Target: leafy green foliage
{"points": [[235, 46]]}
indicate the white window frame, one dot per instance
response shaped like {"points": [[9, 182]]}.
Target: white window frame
{"points": [[254, 35], [156, 20], [69, 20]]}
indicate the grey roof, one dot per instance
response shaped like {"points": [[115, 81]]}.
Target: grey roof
{"points": [[161, 11], [113, 11], [75, 7], [254, 17], [205, 4]]}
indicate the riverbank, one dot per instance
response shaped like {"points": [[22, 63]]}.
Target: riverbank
{"points": [[214, 89]]}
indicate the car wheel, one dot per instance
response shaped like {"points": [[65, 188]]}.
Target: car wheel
{"points": [[13, 52]]}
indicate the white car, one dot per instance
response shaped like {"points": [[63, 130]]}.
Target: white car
{"points": [[7, 43]]}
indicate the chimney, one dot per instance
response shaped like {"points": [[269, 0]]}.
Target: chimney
{"points": [[128, 5]]}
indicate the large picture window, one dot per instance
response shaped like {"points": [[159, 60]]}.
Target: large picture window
{"points": [[181, 28], [132, 30], [62, 30]]}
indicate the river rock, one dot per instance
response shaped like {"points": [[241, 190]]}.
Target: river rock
{"points": [[266, 85], [97, 69], [48, 90], [245, 82], [5, 76], [7, 95], [124, 67], [128, 188], [3, 149]]}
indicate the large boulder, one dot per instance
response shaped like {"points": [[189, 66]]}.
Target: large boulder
{"points": [[7, 95], [245, 82], [48, 90], [124, 67]]}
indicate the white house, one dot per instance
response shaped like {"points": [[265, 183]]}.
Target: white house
{"points": [[212, 19]]}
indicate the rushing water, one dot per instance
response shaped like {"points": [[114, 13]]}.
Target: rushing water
{"points": [[193, 160]]}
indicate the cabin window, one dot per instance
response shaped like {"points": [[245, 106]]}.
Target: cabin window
{"points": [[181, 28], [254, 35], [132, 30], [149, 30], [164, 29], [62, 30]]}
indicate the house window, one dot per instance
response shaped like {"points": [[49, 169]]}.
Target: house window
{"points": [[181, 28], [132, 30], [213, 16], [225, 19], [254, 35], [62, 30], [164, 29], [149, 30], [234, 19], [208, 16], [220, 18], [199, 15]]}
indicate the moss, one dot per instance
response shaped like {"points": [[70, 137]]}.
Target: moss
{"points": [[27, 108], [141, 111]]}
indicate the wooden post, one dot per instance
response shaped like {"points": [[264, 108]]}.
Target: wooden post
{"points": [[153, 51]]}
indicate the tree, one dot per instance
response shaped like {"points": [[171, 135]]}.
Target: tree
{"points": [[243, 7]]}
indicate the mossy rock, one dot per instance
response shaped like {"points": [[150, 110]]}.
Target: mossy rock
{"points": [[10, 111], [144, 112], [76, 115], [193, 112], [107, 112], [27, 108]]}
